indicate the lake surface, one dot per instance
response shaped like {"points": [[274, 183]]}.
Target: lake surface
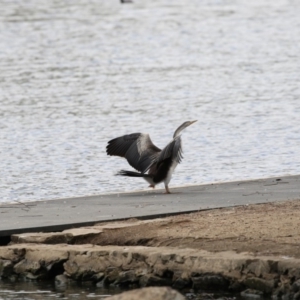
{"points": [[48, 290], [75, 74]]}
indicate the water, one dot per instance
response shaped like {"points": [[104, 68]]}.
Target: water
{"points": [[75, 74], [47, 290]]}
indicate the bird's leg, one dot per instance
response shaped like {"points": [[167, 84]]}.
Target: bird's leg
{"points": [[152, 185], [167, 190]]}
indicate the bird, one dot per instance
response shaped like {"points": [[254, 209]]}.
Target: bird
{"points": [[154, 165]]}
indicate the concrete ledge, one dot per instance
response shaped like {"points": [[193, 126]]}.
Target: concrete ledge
{"points": [[205, 250], [61, 214], [138, 266]]}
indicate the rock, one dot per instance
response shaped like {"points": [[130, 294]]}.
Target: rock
{"points": [[162, 271], [290, 266], [40, 265], [259, 284], [258, 267], [179, 259], [29, 269], [149, 293], [85, 266], [151, 280], [6, 268], [100, 284], [98, 277], [152, 266], [71, 269], [236, 286], [41, 238], [112, 274], [296, 296], [61, 280], [279, 292], [12, 254], [116, 258], [126, 277], [210, 282], [252, 294], [31, 276], [181, 283], [271, 276], [295, 286]]}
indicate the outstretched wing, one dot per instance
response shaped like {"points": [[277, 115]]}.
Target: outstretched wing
{"points": [[172, 150], [137, 148]]}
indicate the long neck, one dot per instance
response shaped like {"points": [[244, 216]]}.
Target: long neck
{"points": [[179, 129]]}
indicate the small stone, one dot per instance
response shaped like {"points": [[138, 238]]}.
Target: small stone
{"points": [[13, 278], [61, 280], [27, 266], [180, 283], [31, 270], [295, 272], [258, 267], [179, 259], [296, 296], [271, 276], [259, 284], [116, 258], [87, 283], [252, 294], [31, 276], [112, 274], [296, 286], [210, 282], [6, 268], [167, 257], [161, 271], [71, 268], [41, 238], [236, 286], [149, 293], [98, 277], [101, 284], [126, 277], [150, 280], [278, 292], [287, 296]]}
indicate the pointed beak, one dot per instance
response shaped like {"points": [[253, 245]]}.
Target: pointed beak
{"points": [[193, 122]]}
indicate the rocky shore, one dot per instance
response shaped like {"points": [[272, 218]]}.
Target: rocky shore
{"points": [[108, 255]]}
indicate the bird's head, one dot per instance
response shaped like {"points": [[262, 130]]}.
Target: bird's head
{"points": [[182, 127]]}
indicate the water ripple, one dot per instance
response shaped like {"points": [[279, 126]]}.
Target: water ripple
{"points": [[76, 74]]}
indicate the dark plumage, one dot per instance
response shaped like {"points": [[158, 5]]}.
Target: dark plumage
{"points": [[144, 156]]}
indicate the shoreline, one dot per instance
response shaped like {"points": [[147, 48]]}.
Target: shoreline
{"points": [[243, 238], [183, 251], [57, 215], [114, 193]]}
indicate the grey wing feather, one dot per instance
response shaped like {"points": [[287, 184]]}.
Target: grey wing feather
{"points": [[119, 146], [173, 149], [137, 148]]}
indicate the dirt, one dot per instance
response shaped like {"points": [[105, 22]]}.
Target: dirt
{"points": [[265, 229]]}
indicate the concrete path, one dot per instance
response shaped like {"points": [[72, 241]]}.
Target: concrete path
{"points": [[56, 215]]}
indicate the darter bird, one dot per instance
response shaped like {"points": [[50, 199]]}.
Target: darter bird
{"points": [[154, 165]]}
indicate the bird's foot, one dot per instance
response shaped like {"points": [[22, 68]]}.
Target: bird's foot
{"points": [[167, 190], [152, 185]]}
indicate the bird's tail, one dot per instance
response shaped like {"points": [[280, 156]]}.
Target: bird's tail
{"points": [[133, 174]]}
